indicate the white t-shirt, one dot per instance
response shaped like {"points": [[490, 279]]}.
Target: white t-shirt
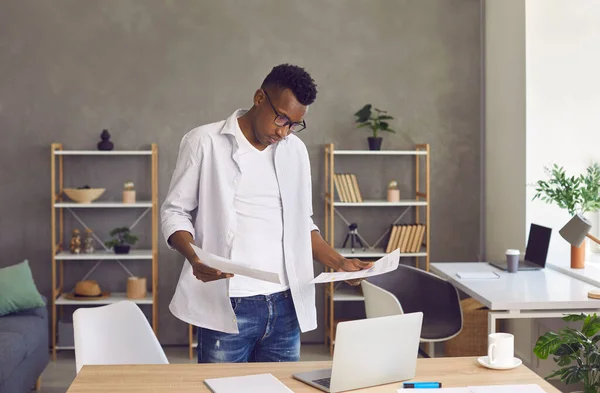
{"points": [[259, 212]]}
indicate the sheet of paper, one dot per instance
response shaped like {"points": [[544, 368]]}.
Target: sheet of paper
{"points": [[531, 388], [489, 275], [383, 265], [258, 383], [227, 266]]}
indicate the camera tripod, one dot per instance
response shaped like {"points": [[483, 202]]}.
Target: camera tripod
{"points": [[353, 236]]}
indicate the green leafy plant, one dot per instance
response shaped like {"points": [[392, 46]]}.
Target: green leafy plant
{"points": [[375, 121], [575, 352], [576, 194], [121, 236]]}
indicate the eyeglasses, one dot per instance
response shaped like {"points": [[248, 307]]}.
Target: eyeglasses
{"points": [[283, 120]]}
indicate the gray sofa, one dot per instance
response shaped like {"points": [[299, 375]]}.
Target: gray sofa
{"points": [[23, 349]]}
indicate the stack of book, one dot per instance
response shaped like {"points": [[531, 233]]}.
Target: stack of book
{"points": [[347, 188], [406, 237]]}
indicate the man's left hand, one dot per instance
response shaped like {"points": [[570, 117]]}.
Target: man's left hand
{"points": [[353, 265]]}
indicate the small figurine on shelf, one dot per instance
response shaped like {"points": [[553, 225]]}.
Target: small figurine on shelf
{"points": [[128, 192], [88, 242], [393, 193], [105, 143], [75, 245]]}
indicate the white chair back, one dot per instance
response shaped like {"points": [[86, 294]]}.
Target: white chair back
{"points": [[379, 302], [117, 333]]}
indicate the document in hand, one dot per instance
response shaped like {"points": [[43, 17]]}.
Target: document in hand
{"points": [[383, 265], [227, 266], [259, 383]]}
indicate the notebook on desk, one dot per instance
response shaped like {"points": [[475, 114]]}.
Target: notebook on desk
{"points": [[489, 275], [257, 383]]}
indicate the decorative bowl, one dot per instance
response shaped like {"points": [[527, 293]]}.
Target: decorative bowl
{"points": [[84, 195]]}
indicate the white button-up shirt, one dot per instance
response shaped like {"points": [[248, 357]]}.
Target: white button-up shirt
{"points": [[205, 178]]}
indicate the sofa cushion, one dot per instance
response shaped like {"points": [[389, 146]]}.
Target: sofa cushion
{"points": [[13, 350], [31, 330], [17, 289]]}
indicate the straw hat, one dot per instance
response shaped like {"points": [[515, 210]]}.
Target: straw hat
{"points": [[87, 290]]}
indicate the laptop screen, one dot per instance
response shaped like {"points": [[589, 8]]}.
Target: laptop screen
{"points": [[538, 244]]}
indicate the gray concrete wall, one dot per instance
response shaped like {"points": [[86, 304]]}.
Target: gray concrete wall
{"points": [[149, 71], [505, 114]]}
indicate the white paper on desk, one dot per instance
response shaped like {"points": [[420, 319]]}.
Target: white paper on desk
{"points": [[530, 388], [258, 383], [383, 265], [227, 266], [489, 275]]}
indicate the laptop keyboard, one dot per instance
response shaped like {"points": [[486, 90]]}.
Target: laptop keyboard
{"points": [[323, 382]]}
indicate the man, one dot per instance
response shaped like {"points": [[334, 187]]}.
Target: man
{"points": [[248, 179]]}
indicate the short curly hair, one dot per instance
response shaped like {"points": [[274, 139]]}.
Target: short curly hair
{"points": [[287, 76]]}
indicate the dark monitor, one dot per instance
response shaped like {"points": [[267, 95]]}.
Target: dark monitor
{"points": [[538, 244]]}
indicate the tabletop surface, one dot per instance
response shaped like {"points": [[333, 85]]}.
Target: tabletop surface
{"points": [[545, 289], [590, 273], [188, 378]]}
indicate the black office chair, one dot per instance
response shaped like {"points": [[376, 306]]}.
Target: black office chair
{"points": [[416, 290]]}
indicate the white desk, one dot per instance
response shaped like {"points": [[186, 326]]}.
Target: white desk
{"points": [[545, 293], [590, 273]]}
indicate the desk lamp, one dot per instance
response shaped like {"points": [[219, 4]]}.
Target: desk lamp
{"points": [[575, 231]]}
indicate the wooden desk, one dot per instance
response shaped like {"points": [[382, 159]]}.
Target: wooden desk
{"points": [[188, 378]]}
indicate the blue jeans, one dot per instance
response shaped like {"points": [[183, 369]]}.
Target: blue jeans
{"points": [[268, 332]]}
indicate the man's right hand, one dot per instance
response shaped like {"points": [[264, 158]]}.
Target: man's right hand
{"points": [[205, 273], [181, 241]]}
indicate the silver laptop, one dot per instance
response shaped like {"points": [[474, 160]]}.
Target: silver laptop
{"points": [[369, 352], [536, 252]]}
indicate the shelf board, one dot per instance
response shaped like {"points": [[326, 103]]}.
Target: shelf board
{"points": [[374, 253], [406, 202], [103, 153], [347, 295], [65, 347], [380, 152], [103, 255], [76, 205], [113, 298]]}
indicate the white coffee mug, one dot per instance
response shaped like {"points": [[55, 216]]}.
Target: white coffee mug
{"points": [[501, 348]]}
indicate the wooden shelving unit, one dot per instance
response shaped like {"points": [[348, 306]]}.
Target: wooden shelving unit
{"points": [[421, 155], [96, 205], [59, 255], [192, 343]]}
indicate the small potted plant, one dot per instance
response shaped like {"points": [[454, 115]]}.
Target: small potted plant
{"points": [[376, 122], [128, 192], [121, 240], [576, 194], [575, 352]]}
